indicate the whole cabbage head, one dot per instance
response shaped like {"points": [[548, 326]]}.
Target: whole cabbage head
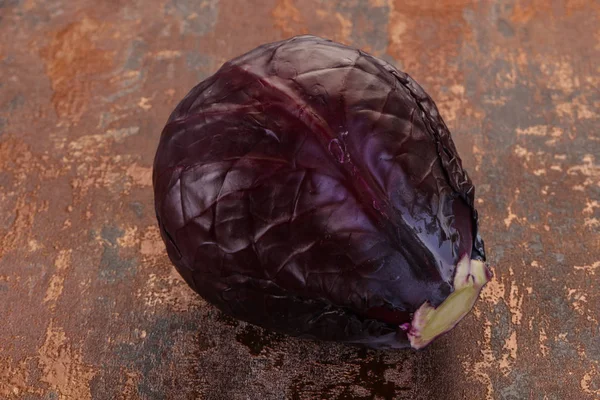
{"points": [[313, 189]]}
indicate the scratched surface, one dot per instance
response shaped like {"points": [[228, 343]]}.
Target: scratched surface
{"points": [[90, 307]]}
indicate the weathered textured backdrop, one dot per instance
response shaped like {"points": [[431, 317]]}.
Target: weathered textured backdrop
{"points": [[89, 304]]}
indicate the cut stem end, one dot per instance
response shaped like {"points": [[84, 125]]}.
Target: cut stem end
{"points": [[429, 322]]}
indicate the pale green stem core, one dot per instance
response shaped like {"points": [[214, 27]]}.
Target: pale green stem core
{"points": [[429, 322]]}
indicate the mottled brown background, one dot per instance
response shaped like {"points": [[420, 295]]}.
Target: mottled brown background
{"points": [[91, 308]]}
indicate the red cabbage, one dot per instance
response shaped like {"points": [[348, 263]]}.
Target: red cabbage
{"points": [[310, 188]]}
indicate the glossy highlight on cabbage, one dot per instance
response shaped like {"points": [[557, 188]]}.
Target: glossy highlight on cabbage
{"points": [[312, 189]]}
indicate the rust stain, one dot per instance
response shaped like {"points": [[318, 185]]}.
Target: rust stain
{"points": [[129, 238], [541, 130], [425, 35], [479, 370], [14, 378], [346, 28], [57, 280], [141, 176], [516, 304], [591, 268], [288, 19], [151, 243], [525, 11], [33, 245], [166, 54], [589, 169], [144, 103], [24, 212], [164, 287], [71, 60], [543, 339], [94, 169], [510, 355], [588, 379], [577, 109], [578, 300], [292, 17], [560, 76], [511, 216], [493, 292], [90, 144], [377, 3], [62, 367], [130, 389], [427, 38]]}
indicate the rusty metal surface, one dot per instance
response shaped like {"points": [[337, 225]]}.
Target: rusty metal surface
{"points": [[90, 307]]}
